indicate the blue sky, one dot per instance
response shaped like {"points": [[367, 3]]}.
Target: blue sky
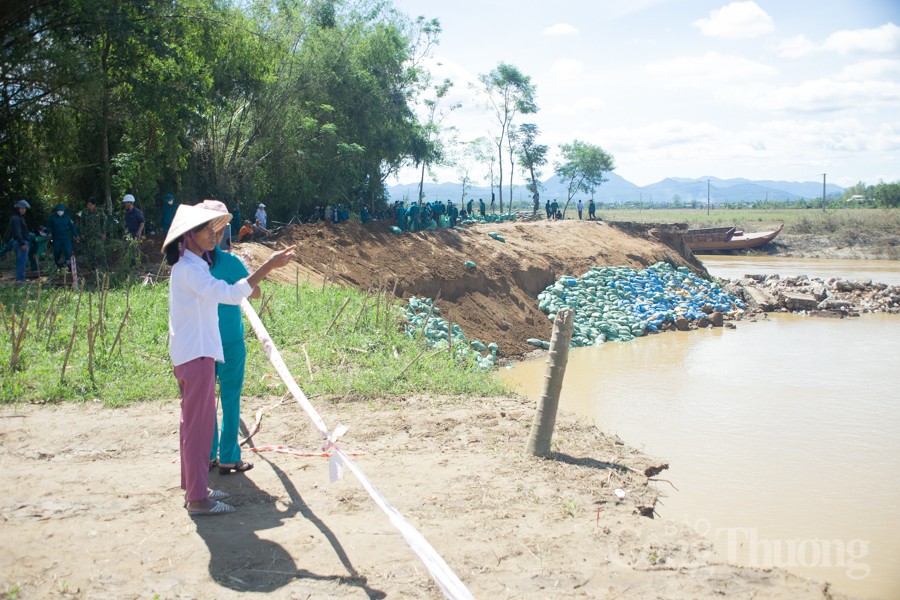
{"points": [[774, 90]]}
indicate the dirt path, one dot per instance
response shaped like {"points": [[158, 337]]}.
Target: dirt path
{"points": [[495, 301], [92, 509]]}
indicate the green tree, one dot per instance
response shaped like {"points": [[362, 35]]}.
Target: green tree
{"points": [[483, 151], [433, 128], [532, 156], [508, 92], [887, 195], [582, 168]]}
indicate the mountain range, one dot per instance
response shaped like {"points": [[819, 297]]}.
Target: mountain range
{"points": [[619, 190]]}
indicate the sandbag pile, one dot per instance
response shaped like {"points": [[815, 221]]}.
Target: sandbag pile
{"points": [[620, 303], [423, 319], [489, 218]]}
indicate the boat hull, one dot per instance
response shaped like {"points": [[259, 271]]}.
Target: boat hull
{"points": [[727, 238]]}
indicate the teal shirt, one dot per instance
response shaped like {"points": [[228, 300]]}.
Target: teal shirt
{"points": [[229, 267]]}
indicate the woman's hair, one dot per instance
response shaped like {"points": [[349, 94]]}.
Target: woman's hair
{"points": [[173, 251]]}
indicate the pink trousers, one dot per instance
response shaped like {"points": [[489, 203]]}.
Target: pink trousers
{"points": [[197, 382]]}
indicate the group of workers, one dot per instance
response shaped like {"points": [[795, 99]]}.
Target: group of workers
{"points": [[63, 233], [553, 211], [429, 216]]}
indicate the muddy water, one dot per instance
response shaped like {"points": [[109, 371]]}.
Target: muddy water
{"points": [[783, 437], [732, 267]]}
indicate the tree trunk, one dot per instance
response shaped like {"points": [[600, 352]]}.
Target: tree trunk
{"points": [[421, 183], [545, 417], [500, 167], [104, 130]]}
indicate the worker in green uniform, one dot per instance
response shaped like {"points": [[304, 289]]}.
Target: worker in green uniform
{"points": [[168, 213], [63, 232], [93, 232], [226, 451]]}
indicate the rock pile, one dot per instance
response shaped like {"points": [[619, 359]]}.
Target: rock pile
{"points": [[814, 296]]}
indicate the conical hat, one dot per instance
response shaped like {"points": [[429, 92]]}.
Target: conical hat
{"points": [[188, 217]]}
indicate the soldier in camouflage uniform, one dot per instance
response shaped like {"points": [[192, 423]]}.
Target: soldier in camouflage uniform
{"points": [[93, 232]]}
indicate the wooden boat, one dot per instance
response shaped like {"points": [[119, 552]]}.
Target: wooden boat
{"points": [[727, 238]]}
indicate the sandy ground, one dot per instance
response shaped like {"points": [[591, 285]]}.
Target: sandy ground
{"points": [[92, 509]]}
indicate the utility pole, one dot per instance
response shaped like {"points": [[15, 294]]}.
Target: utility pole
{"points": [[707, 197], [823, 192]]}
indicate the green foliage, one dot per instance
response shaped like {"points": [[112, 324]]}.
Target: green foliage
{"points": [[509, 92], [583, 167], [361, 355], [887, 195], [532, 156], [291, 103]]}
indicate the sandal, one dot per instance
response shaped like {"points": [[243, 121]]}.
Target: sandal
{"points": [[218, 495], [238, 467], [213, 464], [220, 508]]}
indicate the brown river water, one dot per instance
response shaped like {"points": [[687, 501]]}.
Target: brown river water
{"points": [[782, 436]]}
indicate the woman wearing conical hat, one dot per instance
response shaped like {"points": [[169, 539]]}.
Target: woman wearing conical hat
{"points": [[195, 344]]}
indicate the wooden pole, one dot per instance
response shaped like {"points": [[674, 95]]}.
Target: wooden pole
{"points": [[62, 373], [334, 320], [548, 404]]}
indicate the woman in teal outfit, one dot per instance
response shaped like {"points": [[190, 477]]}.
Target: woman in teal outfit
{"points": [[226, 452]]}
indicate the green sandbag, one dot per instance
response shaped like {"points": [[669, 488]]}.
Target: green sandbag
{"points": [[469, 264]]}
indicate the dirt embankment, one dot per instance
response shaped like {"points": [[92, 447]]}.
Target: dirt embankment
{"points": [[493, 302]]}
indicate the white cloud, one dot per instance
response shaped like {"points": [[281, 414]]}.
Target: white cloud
{"points": [[708, 70], [797, 47], [881, 40], [578, 105], [736, 20], [567, 68], [560, 29], [799, 147], [884, 70], [822, 95]]}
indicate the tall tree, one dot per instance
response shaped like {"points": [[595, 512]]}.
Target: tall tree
{"points": [[483, 152], [582, 168], [433, 129], [508, 92], [532, 156]]}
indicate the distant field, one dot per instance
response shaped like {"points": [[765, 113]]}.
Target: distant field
{"points": [[798, 220]]}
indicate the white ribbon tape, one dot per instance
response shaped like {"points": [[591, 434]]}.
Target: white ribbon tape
{"points": [[446, 579]]}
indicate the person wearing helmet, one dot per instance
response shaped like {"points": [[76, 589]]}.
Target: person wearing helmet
{"points": [[261, 215], [195, 344], [20, 237], [134, 218], [62, 231]]}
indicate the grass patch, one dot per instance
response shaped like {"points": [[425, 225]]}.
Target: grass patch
{"points": [[851, 223], [362, 354]]}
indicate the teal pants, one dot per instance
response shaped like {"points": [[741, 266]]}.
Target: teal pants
{"points": [[231, 383]]}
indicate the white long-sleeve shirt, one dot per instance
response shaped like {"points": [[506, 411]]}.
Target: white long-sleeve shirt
{"points": [[194, 298]]}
